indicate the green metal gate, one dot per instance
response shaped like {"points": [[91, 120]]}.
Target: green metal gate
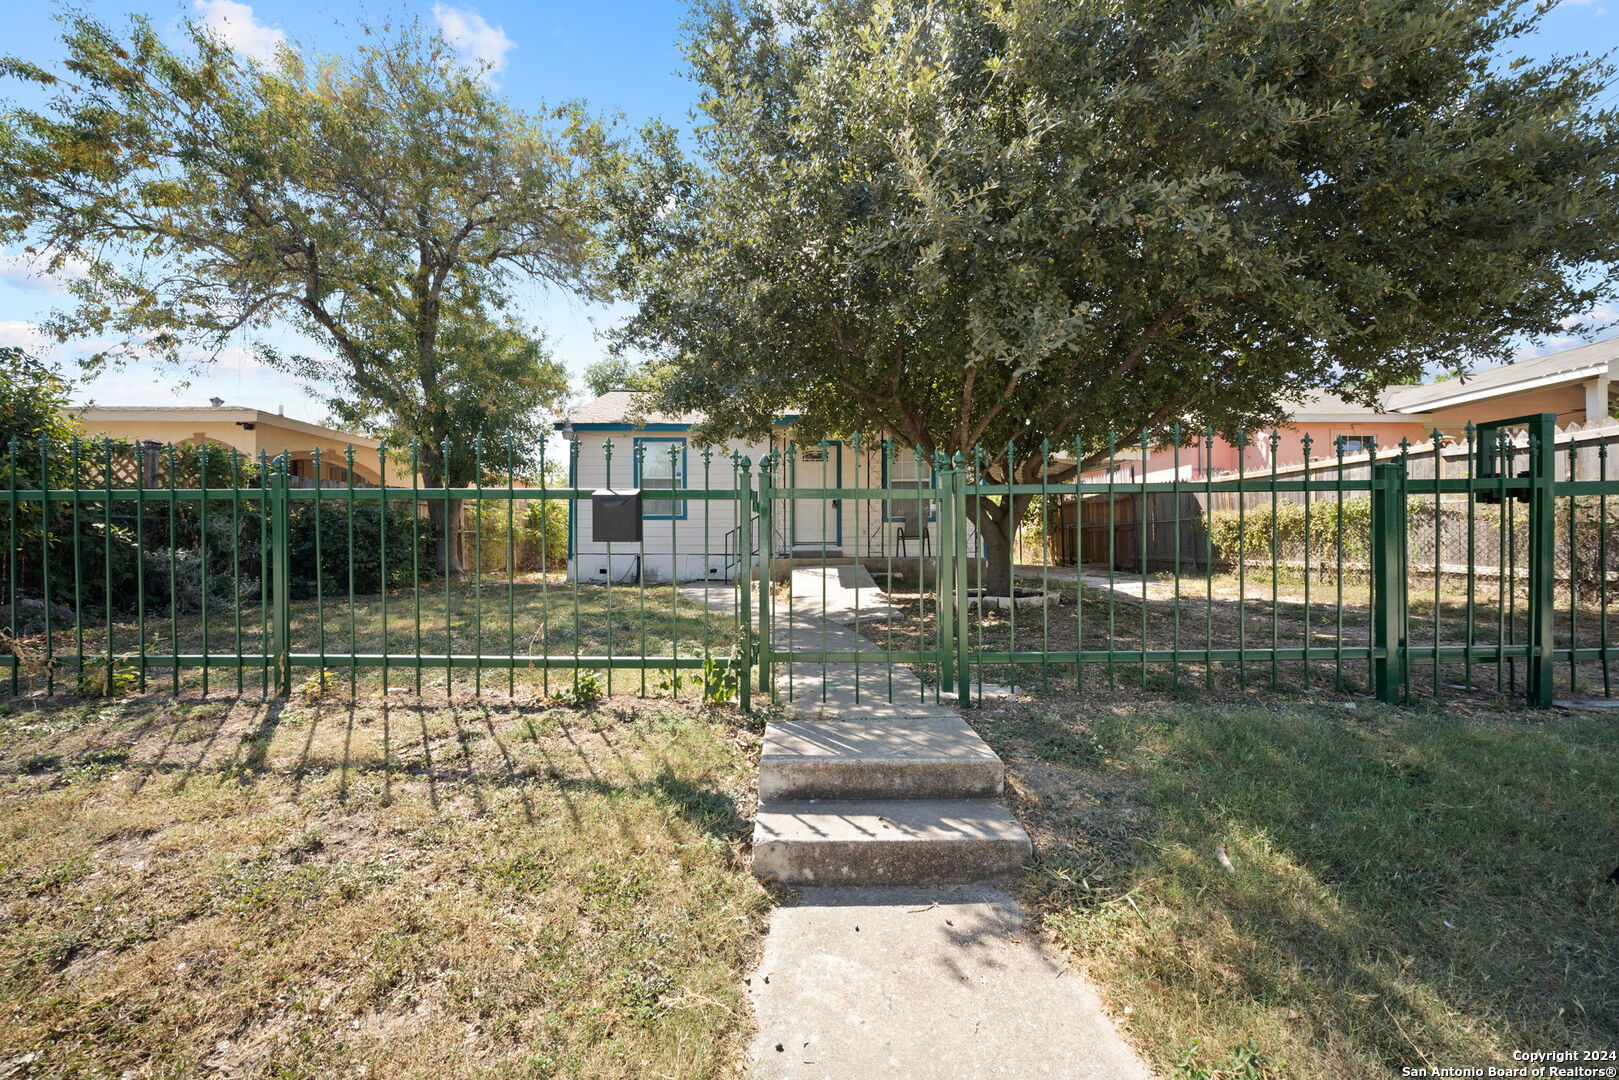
{"points": [[1363, 637]]}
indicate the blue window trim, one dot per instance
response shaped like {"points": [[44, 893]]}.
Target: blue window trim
{"points": [[933, 482], [680, 483]]}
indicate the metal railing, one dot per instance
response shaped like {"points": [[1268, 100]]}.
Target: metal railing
{"points": [[193, 567], [215, 567]]}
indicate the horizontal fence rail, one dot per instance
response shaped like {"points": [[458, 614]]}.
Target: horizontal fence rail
{"points": [[817, 574], [199, 566]]}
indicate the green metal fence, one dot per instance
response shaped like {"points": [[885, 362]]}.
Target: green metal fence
{"points": [[129, 567], [833, 572]]}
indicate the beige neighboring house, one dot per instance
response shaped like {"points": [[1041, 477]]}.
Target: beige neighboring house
{"points": [[247, 430]]}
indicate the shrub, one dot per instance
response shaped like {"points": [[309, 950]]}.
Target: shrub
{"points": [[367, 556], [1317, 548], [539, 534]]}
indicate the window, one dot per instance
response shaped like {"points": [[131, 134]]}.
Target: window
{"points": [[1353, 445], [905, 470], [662, 467]]}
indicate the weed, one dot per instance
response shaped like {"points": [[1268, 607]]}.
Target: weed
{"points": [[321, 686], [303, 844], [101, 679], [587, 690], [1243, 1063], [721, 682]]}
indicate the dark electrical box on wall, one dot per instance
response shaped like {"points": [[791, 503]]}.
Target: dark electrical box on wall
{"points": [[615, 517]]}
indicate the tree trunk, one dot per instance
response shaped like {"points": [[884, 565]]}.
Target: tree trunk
{"points": [[997, 525], [997, 572], [447, 553]]}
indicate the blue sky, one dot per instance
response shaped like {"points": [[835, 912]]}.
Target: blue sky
{"points": [[618, 55]]}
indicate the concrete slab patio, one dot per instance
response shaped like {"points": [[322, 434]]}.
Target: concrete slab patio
{"points": [[923, 984]]}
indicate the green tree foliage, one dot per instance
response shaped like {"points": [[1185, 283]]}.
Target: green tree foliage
{"points": [[619, 373], [35, 434], [33, 404], [994, 224], [385, 203]]}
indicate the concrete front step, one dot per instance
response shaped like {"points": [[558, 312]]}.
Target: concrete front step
{"points": [[888, 842], [902, 758]]}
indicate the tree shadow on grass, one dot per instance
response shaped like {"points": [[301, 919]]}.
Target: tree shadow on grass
{"points": [[1408, 885]]}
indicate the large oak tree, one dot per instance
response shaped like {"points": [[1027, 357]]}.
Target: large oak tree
{"points": [[997, 222]]}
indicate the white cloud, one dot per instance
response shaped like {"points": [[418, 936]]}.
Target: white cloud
{"points": [[233, 23], [27, 271], [237, 361], [479, 43], [1602, 313], [16, 334]]}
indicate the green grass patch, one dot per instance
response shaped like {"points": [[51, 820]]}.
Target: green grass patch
{"points": [[1406, 886]]}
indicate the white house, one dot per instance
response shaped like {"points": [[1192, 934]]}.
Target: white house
{"points": [[619, 445]]}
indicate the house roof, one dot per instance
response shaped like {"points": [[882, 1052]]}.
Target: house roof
{"points": [[623, 408], [1554, 369], [126, 414], [1325, 406]]}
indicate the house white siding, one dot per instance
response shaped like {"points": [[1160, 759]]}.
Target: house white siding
{"points": [[690, 544], [699, 539]]}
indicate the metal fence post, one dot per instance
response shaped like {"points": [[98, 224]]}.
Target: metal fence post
{"points": [[745, 504], [1542, 557], [1388, 529], [767, 468], [945, 573], [958, 519], [281, 576]]}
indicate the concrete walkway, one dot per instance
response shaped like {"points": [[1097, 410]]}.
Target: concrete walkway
{"points": [[923, 984], [880, 782]]}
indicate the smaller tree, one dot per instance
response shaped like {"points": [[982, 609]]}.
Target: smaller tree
{"points": [[492, 385], [384, 203], [616, 373], [33, 407]]}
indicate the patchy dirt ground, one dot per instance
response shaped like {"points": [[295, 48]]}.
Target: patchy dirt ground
{"points": [[244, 889]]}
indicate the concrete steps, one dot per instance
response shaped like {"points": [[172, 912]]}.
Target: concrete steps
{"points": [[888, 841], [883, 800], [906, 758]]}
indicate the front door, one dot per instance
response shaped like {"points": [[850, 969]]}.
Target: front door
{"points": [[816, 521]]}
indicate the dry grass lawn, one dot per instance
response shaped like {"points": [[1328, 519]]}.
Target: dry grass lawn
{"points": [[238, 889], [1224, 612], [1409, 886]]}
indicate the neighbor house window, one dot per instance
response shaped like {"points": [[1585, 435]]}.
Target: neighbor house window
{"points": [[662, 467], [1353, 445]]}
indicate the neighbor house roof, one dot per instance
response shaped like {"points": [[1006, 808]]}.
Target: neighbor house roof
{"points": [[1322, 406], [624, 408], [1555, 369], [126, 414]]}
